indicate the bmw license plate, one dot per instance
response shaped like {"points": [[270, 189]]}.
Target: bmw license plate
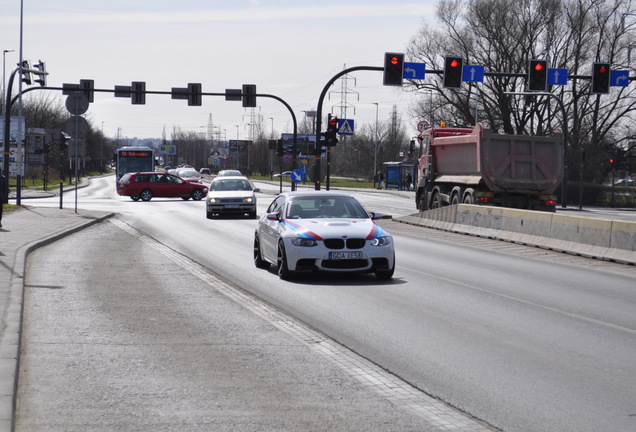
{"points": [[345, 255]]}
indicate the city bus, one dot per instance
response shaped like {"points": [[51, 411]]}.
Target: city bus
{"points": [[133, 159]]}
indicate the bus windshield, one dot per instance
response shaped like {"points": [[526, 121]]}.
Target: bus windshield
{"points": [[134, 159]]}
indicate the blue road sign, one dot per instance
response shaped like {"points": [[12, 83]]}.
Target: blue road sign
{"points": [[345, 126], [557, 76], [297, 175], [473, 73], [619, 78], [414, 70]]}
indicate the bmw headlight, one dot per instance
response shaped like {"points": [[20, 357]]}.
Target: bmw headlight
{"points": [[301, 241], [381, 241]]}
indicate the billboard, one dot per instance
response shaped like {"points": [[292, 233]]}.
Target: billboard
{"points": [[14, 153]]}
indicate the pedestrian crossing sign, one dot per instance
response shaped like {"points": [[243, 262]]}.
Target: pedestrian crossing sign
{"points": [[345, 126]]}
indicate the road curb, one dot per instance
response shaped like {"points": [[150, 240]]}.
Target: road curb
{"points": [[10, 339]]}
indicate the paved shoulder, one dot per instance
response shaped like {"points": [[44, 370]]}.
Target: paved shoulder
{"points": [[22, 232]]}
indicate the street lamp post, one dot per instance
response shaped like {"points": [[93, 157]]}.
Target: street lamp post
{"points": [[101, 152], [237, 138], [375, 147], [4, 84]]}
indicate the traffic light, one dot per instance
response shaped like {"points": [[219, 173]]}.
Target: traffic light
{"points": [[88, 87], [538, 75], [612, 162], [411, 149], [453, 72], [41, 76], [194, 94], [64, 139], [25, 69], [280, 151], [249, 95], [138, 93], [331, 136], [393, 69], [600, 78]]}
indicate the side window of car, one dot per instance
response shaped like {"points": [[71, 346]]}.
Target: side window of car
{"points": [[276, 205]]}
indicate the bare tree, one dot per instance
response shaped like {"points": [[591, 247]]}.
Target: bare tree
{"points": [[503, 35]]}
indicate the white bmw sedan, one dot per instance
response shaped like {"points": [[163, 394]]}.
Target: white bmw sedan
{"points": [[325, 231]]}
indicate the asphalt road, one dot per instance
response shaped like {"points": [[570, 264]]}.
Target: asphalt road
{"points": [[522, 338], [140, 343]]}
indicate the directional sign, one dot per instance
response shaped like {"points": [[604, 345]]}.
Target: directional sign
{"points": [[619, 78], [414, 70], [345, 126], [297, 176], [473, 73], [557, 76]]}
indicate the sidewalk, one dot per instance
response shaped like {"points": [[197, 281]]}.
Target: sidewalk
{"points": [[23, 231]]}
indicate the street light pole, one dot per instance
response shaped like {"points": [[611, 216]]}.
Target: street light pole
{"points": [[101, 152], [375, 148], [237, 138], [21, 133], [4, 84]]}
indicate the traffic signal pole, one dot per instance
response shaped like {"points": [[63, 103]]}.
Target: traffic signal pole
{"points": [[318, 149], [242, 94]]}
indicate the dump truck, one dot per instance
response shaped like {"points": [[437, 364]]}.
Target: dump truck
{"points": [[478, 166]]}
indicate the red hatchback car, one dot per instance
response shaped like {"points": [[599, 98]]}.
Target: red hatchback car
{"points": [[145, 185]]}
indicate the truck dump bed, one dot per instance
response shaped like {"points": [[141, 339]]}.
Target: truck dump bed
{"points": [[505, 163]]}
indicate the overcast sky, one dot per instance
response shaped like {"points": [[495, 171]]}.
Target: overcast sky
{"points": [[288, 48]]}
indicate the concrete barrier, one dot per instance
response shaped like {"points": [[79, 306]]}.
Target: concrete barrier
{"points": [[598, 238]]}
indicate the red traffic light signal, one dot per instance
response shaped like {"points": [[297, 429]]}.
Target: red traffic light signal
{"points": [[331, 136], [393, 69], [453, 72], [538, 75], [600, 78]]}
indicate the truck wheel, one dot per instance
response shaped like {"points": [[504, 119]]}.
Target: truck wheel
{"points": [[422, 205], [435, 201]]}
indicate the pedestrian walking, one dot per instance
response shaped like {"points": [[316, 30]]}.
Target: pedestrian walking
{"points": [[380, 180], [4, 193]]}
